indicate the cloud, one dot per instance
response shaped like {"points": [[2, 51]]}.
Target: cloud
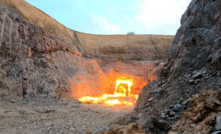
{"points": [[128, 19], [162, 13], [105, 25]]}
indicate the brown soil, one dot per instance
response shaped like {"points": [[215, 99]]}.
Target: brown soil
{"points": [[201, 114], [65, 116]]}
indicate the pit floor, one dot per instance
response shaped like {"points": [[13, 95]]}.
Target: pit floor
{"points": [[64, 116]]}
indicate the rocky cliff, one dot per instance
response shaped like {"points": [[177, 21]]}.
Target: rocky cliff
{"points": [[193, 67], [39, 61]]}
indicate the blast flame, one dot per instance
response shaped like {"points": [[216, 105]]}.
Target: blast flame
{"points": [[121, 96]]}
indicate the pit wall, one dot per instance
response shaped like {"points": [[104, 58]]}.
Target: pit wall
{"points": [[125, 47], [34, 63]]}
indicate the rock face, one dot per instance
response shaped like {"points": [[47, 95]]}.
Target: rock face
{"points": [[197, 41], [36, 64], [136, 47], [28, 58], [193, 66]]}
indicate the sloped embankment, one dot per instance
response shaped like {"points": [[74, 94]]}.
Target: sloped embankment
{"points": [[136, 47]]}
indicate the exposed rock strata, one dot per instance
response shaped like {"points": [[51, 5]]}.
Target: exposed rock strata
{"points": [[36, 64], [193, 66], [197, 41]]}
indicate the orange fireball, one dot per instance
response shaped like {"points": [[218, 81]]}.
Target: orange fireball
{"points": [[121, 96]]}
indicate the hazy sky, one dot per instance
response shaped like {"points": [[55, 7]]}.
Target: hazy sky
{"points": [[116, 16]]}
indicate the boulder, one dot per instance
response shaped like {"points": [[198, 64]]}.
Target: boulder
{"points": [[177, 107], [162, 124]]}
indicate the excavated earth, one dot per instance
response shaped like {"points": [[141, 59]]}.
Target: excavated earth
{"points": [[38, 63], [42, 62], [45, 67]]}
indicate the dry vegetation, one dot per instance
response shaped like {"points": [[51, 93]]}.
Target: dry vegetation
{"points": [[140, 47]]}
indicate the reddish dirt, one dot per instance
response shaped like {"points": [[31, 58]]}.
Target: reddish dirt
{"points": [[201, 114]]}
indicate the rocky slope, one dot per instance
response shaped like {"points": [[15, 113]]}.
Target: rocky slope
{"points": [[142, 47], [36, 64], [193, 67], [202, 115]]}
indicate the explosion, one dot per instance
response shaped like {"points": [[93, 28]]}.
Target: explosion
{"points": [[121, 96]]}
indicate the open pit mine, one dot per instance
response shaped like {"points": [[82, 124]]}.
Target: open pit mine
{"points": [[57, 80], [49, 65], [42, 58]]}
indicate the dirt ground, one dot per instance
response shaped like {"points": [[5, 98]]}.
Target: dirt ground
{"points": [[64, 116]]}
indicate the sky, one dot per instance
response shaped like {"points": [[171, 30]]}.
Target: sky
{"points": [[116, 16]]}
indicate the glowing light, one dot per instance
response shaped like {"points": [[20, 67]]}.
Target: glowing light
{"points": [[121, 96]]}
